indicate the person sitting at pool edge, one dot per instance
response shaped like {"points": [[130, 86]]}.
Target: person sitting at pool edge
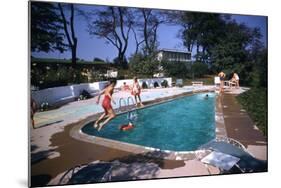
{"points": [[125, 87], [136, 90], [106, 104]]}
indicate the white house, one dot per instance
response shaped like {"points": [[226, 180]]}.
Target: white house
{"points": [[174, 55]]}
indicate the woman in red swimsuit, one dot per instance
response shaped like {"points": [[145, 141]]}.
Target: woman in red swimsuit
{"points": [[106, 104]]}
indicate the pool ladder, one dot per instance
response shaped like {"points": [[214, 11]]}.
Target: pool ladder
{"points": [[132, 114]]}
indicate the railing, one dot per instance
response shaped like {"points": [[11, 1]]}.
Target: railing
{"points": [[120, 103], [128, 101], [132, 113]]}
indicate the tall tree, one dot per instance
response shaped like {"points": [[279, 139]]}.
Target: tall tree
{"points": [[202, 30], [233, 50], [46, 28], [114, 24], [137, 41], [151, 21], [70, 35]]}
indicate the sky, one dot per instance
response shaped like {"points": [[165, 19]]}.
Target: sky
{"points": [[89, 46]]}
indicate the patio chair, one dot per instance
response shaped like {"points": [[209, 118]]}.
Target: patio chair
{"points": [[227, 152], [217, 81], [230, 84], [179, 82]]}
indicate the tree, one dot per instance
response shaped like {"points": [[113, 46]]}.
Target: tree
{"points": [[113, 24], [71, 38], [237, 51], [199, 69], [202, 30], [98, 59], [151, 21], [138, 42], [176, 69], [142, 65], [46, 28]]}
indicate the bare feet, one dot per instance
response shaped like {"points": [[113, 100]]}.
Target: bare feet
{"points": [[100, 126], [141, 105], [96, 125]]}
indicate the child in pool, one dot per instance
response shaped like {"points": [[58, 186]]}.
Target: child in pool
{"points": [[206, 96], [127, 127], [106, 104]]}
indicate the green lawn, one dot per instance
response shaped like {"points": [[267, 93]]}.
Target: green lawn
{"points": [[255, 102]]}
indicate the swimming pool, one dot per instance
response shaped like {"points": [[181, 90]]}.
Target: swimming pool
{"points": [[183, 124]]}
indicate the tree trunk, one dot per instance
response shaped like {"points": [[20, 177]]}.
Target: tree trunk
{"points": [[197, 52], [73, 54]]}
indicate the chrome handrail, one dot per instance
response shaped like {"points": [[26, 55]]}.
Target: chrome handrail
{"points": [[120, 104], [128, 100]]}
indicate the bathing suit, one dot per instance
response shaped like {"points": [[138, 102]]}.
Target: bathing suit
{"points": [[221, 77], [106, 104], [126, 127], [136, 89]]}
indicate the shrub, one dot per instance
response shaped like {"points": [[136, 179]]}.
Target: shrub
{"points": [[199, 69], [84, 94], [44, 106], [176, 69], [255, 102], [144, 85], [164, 83], [155, 84], [143, 66]]}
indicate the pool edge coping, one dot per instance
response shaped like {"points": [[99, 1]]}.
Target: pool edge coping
{"points": [[77, 133]]}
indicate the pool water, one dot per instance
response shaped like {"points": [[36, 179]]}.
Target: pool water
{"points": [[182, 124]]}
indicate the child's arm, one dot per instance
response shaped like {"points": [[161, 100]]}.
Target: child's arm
{"points": [[98, 99]]}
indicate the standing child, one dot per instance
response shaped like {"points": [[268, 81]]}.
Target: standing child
{"points": [[222, 76], [106, 104], [136, 90], [236, 77]]}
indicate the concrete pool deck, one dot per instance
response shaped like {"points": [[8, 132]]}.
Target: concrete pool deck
{"points": [[54, 151]]}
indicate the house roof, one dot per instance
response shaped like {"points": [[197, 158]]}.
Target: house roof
{"points": [[174, 50]]}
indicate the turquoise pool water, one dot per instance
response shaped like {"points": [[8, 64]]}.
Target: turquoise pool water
{"points": [[179, 125]]}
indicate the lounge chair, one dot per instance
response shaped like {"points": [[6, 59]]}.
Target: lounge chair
{"points": [[230, 151], [179, 82], [197, 83], [217, 81], [230, 83]]}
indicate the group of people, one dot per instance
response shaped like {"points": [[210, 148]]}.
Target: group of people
{"points": [[234, 79], [109, 113]]}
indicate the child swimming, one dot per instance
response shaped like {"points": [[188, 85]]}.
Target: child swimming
{"points": [[106, 104]]}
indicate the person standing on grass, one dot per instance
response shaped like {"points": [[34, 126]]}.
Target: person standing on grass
{"points": [[136, 90], [106, 104], [222, 76]]}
